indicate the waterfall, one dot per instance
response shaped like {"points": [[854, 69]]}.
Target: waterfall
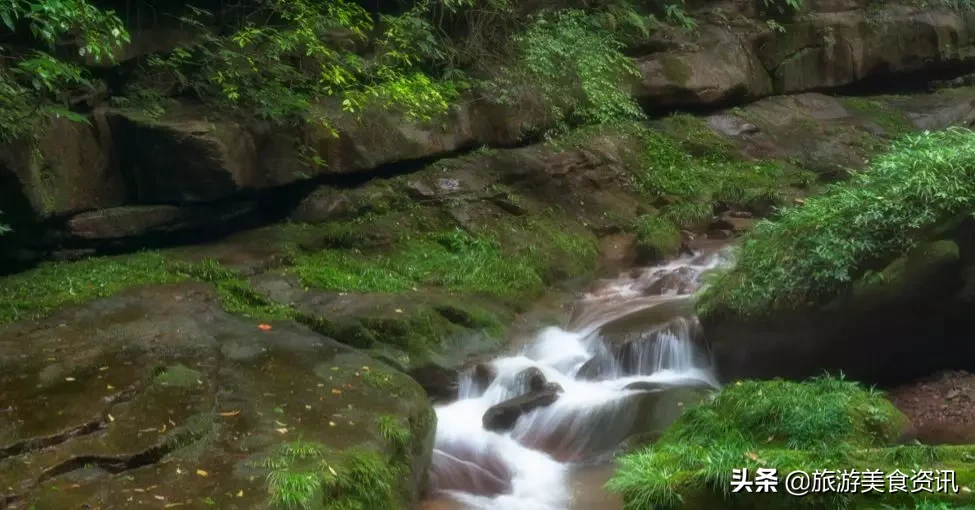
{"points": [[637, 328]]}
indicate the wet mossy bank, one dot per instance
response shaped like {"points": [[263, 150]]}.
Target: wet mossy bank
{"points": [[871, 278], [824, 424]]}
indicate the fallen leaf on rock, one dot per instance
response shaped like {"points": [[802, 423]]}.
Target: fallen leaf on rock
{"points": [[202, 473], [264, 327], [235, 412]]}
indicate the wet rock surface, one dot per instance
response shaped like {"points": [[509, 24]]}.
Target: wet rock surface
{"points": [[503, 416], [156, 397]]}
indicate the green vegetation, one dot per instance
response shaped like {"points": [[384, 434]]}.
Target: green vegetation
{"points": [[453, 259], [397, 435], [38, 86], [657, 237], [236, 294], [281, 71], [825, 423], [812, 253], [578, 66], [688, 171], [302, 476], [34, 293], [305, 60], [893, 121]]}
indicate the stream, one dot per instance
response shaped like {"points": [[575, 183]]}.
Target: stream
{"points": [[628, 355]]}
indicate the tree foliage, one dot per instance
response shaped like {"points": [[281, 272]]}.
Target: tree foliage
{"points": [[38, 85], [293, 61], [282, 69]]}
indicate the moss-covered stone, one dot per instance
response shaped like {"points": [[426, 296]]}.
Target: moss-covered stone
{"points": [[893, 121], [675, 69], [826, 423], [657, 238], [179, 376]]}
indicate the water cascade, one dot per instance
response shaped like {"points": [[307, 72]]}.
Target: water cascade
{"points": [[626, 344]]}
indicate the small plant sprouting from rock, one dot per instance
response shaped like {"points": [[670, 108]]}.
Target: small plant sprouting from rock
{"points": [[395, 433]]}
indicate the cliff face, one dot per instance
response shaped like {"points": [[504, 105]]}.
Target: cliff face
{"points": [[200, 159]]}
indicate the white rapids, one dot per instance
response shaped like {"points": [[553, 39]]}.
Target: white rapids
{"points": [[530, 467]]}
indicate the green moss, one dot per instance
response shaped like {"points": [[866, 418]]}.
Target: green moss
{"points": [[694, 136], [236, 294], [812, 253], [414, 330], [825, 423], [656, 236], [424, 254], [36, 292], [893, 121], [379, 380], [178, 376], [675, 69], [690, 185], [33, 294], [454, 260]]}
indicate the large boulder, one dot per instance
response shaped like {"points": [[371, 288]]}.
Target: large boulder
{"points": [[69, 167], [157, 396], [832, 44]]}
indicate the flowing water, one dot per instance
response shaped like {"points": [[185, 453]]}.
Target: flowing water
{"points": [[635, 328]]}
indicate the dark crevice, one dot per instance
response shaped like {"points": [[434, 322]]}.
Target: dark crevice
{"points": [[47, 240], [110, 464], [87, 428]]}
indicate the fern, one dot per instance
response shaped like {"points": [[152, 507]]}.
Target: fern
{"points": [[577, 66]]}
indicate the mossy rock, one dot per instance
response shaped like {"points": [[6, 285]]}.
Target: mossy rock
{"points": [[159, 387], [925, 266]]}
